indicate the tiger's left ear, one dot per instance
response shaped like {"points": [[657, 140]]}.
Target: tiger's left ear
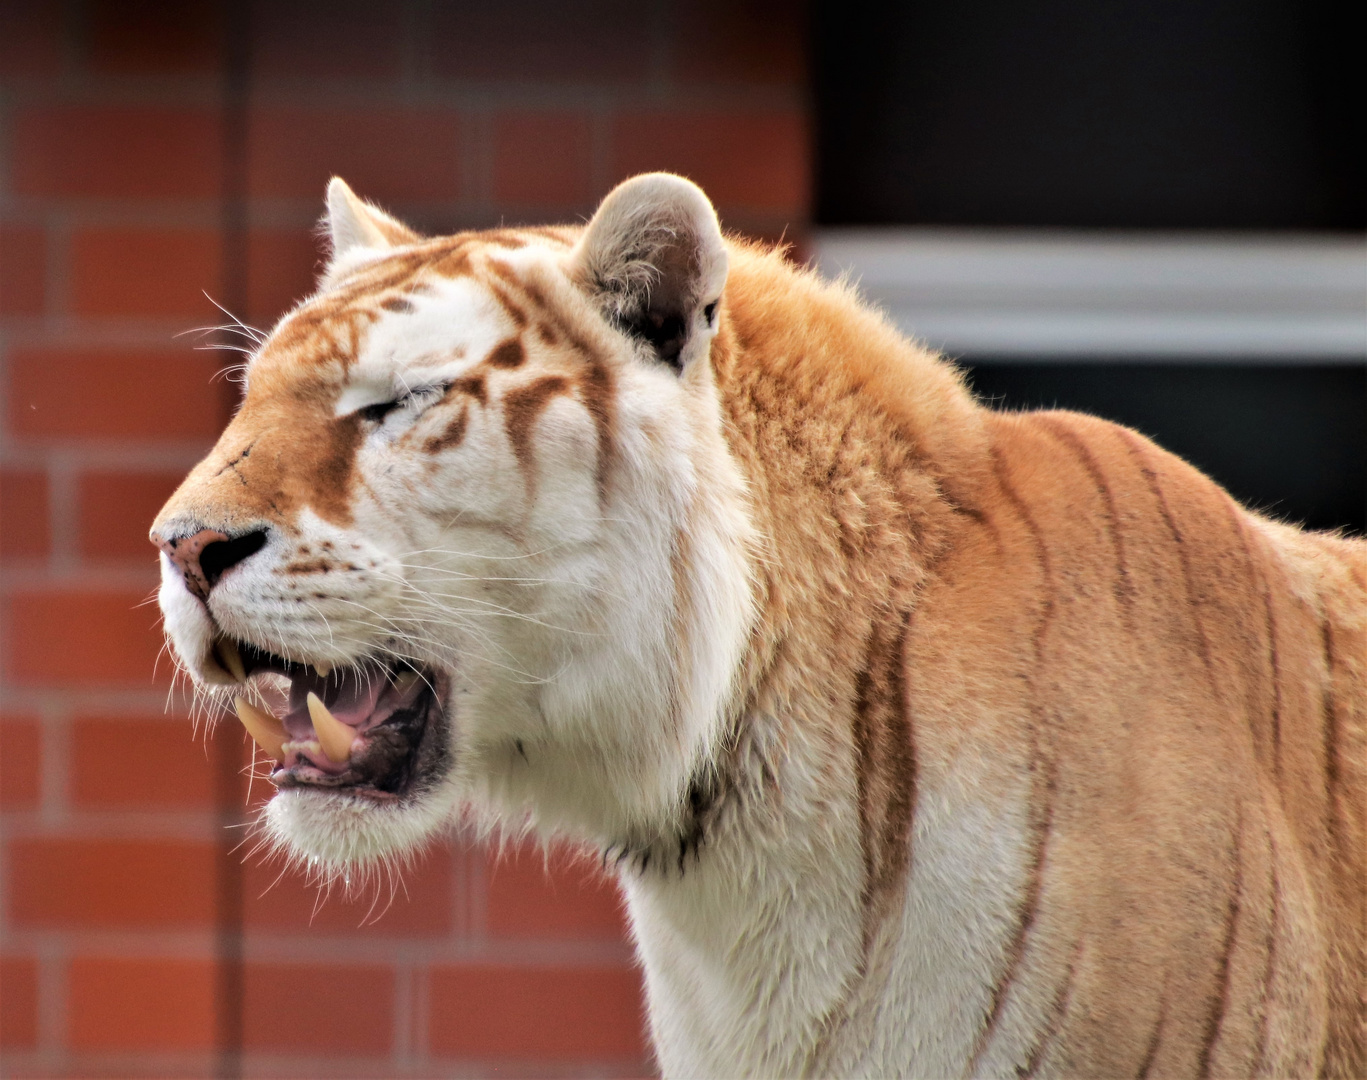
{"points": [[355, 226], [654, 260]]}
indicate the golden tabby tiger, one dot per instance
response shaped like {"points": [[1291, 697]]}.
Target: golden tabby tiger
{"points": [[927, 740]]}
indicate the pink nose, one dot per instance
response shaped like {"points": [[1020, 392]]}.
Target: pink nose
{"points": [[205, 556]]}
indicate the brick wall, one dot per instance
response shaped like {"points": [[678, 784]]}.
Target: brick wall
{"points": [[153, 152]]}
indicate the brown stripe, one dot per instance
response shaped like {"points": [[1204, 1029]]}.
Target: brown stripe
{"points": [[454, 434], [513, 311], [1043, 784], [1138, 451], [507, 354], [510, 279], [564, 235], [522, 406], [1276, 668], [1258, 583], [400, 305], [1330, 737], [508, 239], [470, 384], [999, 468], [597, 386], [1155, 1039], [454, 261], [1269, 965], [1275, 671], [598, 390], [1028, 912], [1220, 1006], [885, 769], [1058, 1012], [1124, 589]]}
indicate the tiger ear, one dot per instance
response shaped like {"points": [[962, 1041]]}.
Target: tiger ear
{"points": [[355, 224], [654, 260]]}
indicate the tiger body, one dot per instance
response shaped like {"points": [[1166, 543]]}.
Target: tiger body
{"points": [[926, 740]]}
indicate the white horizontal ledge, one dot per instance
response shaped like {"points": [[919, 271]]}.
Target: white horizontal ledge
{"points": [[1038, 295]]}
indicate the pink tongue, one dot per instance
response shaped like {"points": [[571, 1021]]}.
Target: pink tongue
{"points": [[350, 697]]}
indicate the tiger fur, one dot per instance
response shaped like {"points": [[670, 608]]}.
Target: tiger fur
{"points": [[925, 740]]}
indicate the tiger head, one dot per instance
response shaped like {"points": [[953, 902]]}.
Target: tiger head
{"points": [[473, 541]]}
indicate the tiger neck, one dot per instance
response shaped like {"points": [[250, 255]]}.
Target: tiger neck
{"points": [[855, 500]]}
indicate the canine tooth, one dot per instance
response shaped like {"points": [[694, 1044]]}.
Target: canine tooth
{"points": [[323, 668], [269, 732], [404, 682], [226, 648], [334, 736]]}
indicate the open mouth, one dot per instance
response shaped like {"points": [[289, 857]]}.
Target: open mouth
{"points": [[372, 728]]}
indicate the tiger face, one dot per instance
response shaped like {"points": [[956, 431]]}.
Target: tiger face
{"points": [[438, 557]]}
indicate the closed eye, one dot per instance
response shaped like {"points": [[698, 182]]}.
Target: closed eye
{"points": [[414, 401], [376, 413]]}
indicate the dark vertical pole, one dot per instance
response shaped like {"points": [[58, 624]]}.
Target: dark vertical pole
{"points": [[228, 757]]}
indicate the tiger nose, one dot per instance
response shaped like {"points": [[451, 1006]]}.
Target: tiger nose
{"points": [[204, 557]]}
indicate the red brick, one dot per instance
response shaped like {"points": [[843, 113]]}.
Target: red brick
{"points": [[115, 394], [18, 1003], [32, 41], [569, 900], [147, 272], [24, 531], [542, 159], [64, 882], [537, 1013], [384, 154], [84, 639], [350, 38], [740, 41], [743, 160], [21, 763], [136, 1003], [422, 904], [22, 269], [282, 268], [116, 510], [344, 1008], [154, 36], [118, 763], [123, 152], [590, 41]]}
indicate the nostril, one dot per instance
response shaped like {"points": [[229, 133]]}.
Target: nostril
{"points": [[217, 558]]}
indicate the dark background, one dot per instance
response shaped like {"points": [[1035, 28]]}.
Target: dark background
{"points": [[1228, 115]]}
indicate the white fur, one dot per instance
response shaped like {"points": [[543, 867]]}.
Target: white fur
{"points": [[589, 687]]}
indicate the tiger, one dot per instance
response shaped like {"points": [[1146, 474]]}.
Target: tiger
{"points": [[922, 739]]}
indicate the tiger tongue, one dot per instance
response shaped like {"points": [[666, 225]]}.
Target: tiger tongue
{"points": [[350, 696]]}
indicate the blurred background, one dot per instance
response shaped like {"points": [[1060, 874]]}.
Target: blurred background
{"points": [[1149, 209]]}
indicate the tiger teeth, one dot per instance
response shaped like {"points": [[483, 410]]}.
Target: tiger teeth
{"points": [[404, 682], [334, 736], [225, 649], [264, 727], [323, 668]]}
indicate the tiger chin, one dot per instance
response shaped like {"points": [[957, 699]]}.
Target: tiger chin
{"points": [[926, 740]]}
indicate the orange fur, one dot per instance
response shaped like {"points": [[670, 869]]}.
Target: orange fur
{"points": [[945, 594], [1185, 682]]}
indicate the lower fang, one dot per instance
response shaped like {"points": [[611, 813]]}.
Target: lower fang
{"points": [[335, 736]]}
